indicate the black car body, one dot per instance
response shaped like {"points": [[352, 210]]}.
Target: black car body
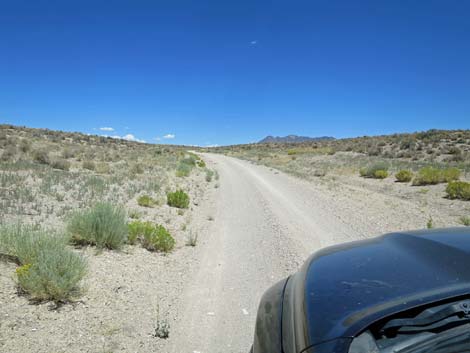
{"points": [[396, 291]]}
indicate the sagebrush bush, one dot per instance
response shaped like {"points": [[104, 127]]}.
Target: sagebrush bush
{"points": [[87, 164], [104, 225], [458, 190], [377, 171], [404, 176], [49, 270], [41, 156], [153, 237], [59, 163], [145, 201], [178, 199], [183, 170]]}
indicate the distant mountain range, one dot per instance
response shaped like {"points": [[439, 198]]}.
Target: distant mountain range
{"points": [[293, 139]]}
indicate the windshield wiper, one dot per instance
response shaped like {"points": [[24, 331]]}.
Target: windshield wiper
{"points": [[431, 320], [456, 340]]}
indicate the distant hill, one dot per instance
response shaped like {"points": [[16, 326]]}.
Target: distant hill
{"points": [[294, 139]]}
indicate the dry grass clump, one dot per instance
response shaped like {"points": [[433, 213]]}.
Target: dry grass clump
{"points": [[104, 225], [48, 269], [60, 163]]}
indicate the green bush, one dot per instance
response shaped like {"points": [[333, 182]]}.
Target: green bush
{"points": [[432, 176], [178, 199], [450, 174], [404, 176], [49, 270], [145, 201], [458, 190], [138, 229], [160, 239], [427, 176], [201, 163], [380, 174], [376, 171], [104, 225], [465, 221], [153, 237]]}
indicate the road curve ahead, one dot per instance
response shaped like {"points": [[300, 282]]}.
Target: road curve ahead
{"points": [[265, 225]]}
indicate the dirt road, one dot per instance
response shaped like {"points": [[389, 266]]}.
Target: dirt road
{"points": [[265, 225]]}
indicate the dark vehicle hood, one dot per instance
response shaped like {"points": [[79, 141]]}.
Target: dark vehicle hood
{"points": [[350, 286]]}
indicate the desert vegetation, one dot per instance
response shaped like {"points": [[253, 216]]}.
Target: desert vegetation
{"points": [[61, 193], [429, 169]]}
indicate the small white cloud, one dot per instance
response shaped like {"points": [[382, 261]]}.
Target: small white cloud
{"points": [[254, 42], [212, 145], [128, 137], [157, 138], [106, 128], [169, 136]]}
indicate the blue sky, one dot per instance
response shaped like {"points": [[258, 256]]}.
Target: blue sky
{"points": [[224, 72]]}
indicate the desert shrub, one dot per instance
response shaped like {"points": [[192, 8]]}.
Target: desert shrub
{"points": [[103, 168], [137, 229], [25, 146], [59, 163], [209, 175], [201, 163], [69, 153], [465, 221], [41, 156], [432, 176], [145, 201], [380, 174], [9, 153], [104, 225], [377, 171], [153, 237], [178, 199], [183, 170], [404, 176], [137, 168], [458, 190], [87, 164], [49, 270], [158, 239], [450, 174], [427, 176], [292, 152]]}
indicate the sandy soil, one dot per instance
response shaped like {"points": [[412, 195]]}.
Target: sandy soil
{"points": [[257, 227]]}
